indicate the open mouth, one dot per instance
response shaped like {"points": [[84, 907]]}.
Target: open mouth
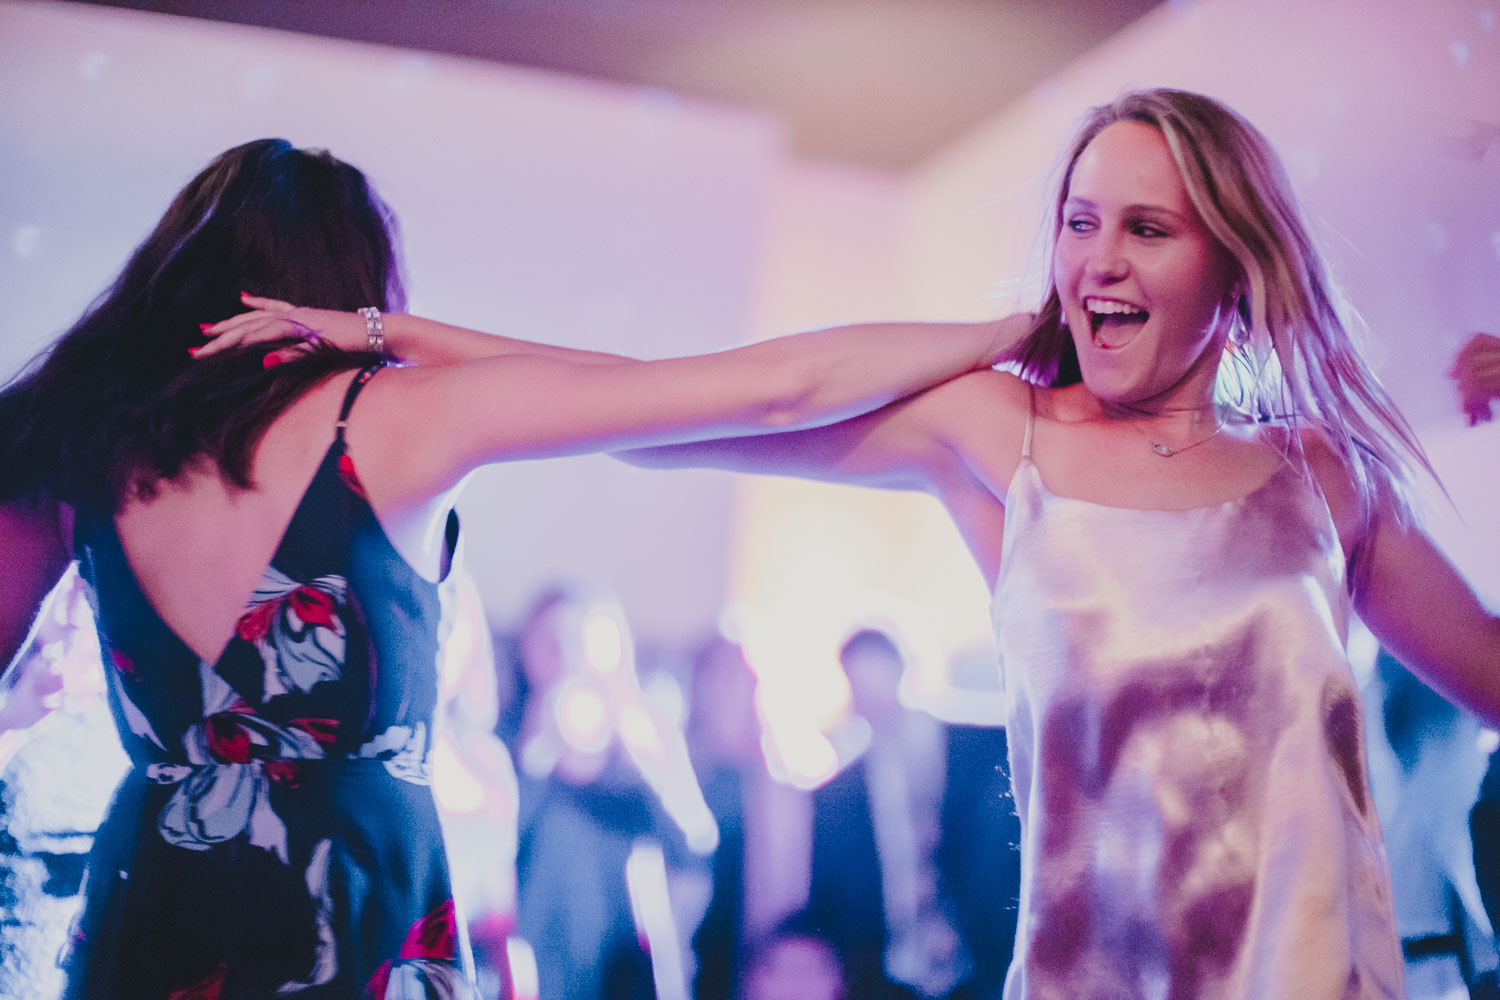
{"points": [[1114, 323]]}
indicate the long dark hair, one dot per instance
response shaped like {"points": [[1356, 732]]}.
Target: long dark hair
{"points": [[115, 405]]}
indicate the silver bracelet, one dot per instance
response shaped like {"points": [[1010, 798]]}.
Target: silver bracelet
{"points": [[374, 330]]}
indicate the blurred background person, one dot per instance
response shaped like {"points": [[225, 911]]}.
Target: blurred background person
{"points": [[1484, 828], [979, 857], [876, 827], [1427, 759], [597, 772], [759, 872], [474, 783], [796, 960], [59, 762]]}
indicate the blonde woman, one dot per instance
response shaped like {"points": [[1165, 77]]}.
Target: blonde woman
{"points": [[1174, 569], [1180, 505]]}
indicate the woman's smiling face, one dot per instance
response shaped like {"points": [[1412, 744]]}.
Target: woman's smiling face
{"points": [[1145, 287]]}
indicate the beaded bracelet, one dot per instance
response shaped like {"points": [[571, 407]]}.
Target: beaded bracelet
{"points": [[374, 330]]}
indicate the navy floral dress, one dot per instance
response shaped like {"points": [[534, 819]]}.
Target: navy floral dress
{"points": [[276, 835]]}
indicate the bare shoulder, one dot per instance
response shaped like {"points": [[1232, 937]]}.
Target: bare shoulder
{"points": [[992, 399], [981, 418]]}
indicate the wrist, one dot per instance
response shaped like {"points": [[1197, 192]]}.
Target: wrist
{"points": [[374, 330]]}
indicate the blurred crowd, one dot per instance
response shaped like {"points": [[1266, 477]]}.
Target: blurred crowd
{"points": [[621, 825]]}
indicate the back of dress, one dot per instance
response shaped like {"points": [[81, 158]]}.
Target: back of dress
{"points": [[276, 833], [1187, 752]]}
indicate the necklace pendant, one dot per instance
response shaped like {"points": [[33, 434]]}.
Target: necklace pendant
{"points": [[1163, 450]]}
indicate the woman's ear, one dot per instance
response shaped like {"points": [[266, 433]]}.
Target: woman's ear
{"points": [[1240, 301]]}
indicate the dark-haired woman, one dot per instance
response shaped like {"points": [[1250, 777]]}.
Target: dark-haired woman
{"points": [[262, 544]]}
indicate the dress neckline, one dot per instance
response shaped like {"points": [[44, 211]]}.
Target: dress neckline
{"points": [[1026, 461]]}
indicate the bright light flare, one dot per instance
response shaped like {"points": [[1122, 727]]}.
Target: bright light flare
{"points": [[638, 730], [583, 718], [646, 881], [522, 962], [603, 643], [457, 789]]}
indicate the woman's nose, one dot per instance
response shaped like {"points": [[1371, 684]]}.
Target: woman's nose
{"points": [[1108, 261]]}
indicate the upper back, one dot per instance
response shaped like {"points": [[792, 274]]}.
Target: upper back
{"points": [[286, 604], [199, 546]]}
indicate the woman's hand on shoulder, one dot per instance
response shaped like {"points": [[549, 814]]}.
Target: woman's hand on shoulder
{"points": [[410, 339], [1476, 370], [271, 321]]}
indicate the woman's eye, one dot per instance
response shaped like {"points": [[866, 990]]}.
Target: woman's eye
{"points": [[1149, 231], [1080, 225]]}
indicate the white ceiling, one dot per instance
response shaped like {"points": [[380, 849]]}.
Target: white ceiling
{"points": [[878, 83]]}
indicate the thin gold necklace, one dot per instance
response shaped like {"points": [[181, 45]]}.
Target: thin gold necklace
{"points": [[1167, 451]]}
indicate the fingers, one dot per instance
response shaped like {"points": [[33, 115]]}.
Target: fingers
{"points": [[1476, 370], [284, 354], [1481, 348], [270, 305], [251, 328], [1479, 379], [246, 327]]}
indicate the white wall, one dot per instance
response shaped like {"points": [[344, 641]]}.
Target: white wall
{"points": [[1369, 102], [533, 205]]}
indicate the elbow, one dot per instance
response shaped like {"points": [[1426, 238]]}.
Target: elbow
{"points": [[645, 458], [794, 394]]}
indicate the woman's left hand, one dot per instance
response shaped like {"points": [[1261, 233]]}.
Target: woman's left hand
{"points": [[1477, 372], [273, 320]]}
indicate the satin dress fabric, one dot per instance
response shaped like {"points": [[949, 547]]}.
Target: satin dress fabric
{"points": [[1187, 752]]}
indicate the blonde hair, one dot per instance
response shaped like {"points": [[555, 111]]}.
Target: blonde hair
{"points": [[1294, 335]]}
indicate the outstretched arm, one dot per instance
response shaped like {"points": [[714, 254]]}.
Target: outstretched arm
{"points": [[418, 431], [428, 342], [957, 441], [35, 558]]}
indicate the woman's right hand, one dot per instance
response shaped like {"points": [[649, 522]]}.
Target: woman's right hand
{"points": [[273, 320], [1476, 369]]}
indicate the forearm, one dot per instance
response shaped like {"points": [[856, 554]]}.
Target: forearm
{"points": [[848, 370], [429, 342]]}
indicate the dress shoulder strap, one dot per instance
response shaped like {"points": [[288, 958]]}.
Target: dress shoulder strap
{"points": [[1030, 420], [364, 376]]}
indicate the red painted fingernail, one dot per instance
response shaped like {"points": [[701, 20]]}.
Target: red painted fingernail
{"points": [[271, 361], [193, 351], [244, 295], [205, 327]]}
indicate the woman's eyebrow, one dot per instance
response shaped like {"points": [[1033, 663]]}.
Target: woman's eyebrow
{"points": [[1135, 208]]}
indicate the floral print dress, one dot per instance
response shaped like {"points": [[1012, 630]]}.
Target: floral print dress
{"points": [[276, 834]]}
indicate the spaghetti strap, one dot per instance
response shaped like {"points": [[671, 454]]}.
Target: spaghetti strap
{"points": [[365, 374], [1030, 420]]}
